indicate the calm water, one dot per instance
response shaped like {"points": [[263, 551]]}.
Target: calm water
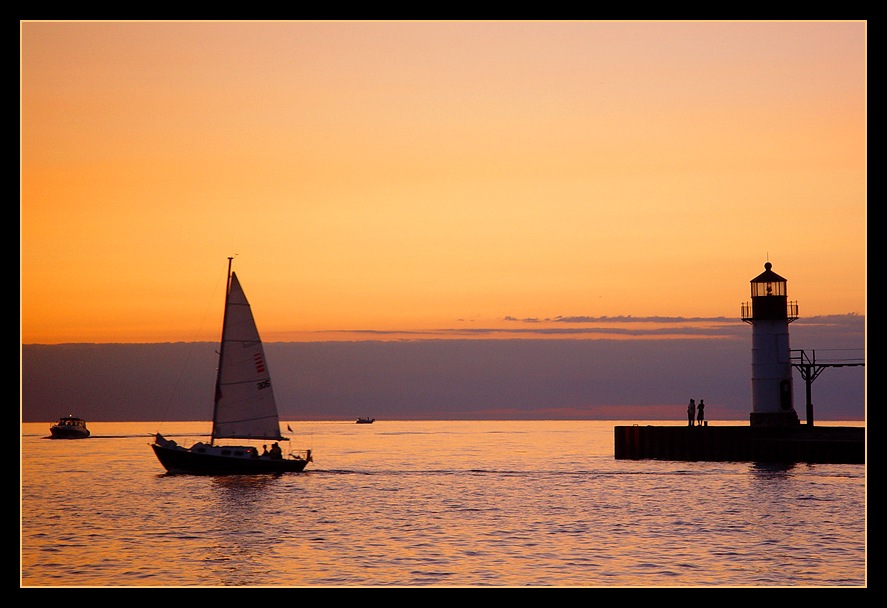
{"points": [[466, 503]]}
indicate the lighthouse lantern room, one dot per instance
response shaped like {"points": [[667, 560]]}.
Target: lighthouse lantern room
{"points": [[769, 314]]}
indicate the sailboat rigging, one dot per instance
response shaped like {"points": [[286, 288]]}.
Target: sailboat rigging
{"points": [[243, 407]]}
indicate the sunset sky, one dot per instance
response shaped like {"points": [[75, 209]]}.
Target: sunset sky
{"points": [[434, 178]]}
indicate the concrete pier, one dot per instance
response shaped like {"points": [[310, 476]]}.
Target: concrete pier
{"points": [[798, 443], [775, 433]]}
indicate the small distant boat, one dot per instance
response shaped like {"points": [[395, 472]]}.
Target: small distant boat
{"points": [[365, 420], [244, 406], [69, 427]]}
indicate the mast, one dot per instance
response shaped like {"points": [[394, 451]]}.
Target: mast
{"points": [[218, 391]]}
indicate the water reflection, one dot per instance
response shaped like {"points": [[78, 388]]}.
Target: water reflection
{"points": [[771, 470], [239, 544], [243, 487]]}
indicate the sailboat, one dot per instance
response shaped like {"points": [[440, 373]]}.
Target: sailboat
{"points": [[244, 405]]}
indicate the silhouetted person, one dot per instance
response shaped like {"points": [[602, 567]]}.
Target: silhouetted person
{"points": [[264, 450], [276, 452], [691, 412], [700, 412]]}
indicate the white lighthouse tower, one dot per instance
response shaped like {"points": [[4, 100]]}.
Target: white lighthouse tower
{"points": [[769, 314]]}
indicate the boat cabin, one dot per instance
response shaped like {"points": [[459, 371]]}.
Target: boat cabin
{"points": [[71, 421]]}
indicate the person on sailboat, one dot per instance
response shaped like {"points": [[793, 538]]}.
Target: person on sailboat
{"points": [[276, 452], [264, 450]]}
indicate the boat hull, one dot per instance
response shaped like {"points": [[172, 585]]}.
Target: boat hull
{"points": [[62, 432], [237, 461]]}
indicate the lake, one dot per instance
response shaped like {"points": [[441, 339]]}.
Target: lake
{"points": [[433, 504]]}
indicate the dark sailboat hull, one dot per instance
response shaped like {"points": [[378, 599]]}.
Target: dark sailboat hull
{"points": [[237, 461]]}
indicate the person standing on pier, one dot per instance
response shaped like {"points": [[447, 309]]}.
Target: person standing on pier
{"points": [[700, 409], [691, 413]]}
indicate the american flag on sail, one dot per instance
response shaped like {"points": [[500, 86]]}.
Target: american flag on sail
{"points": [[260, 364]]}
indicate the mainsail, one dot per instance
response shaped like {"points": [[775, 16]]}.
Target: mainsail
{"points": [[244, 403]]}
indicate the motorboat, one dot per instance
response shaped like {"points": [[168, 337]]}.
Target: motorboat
{"points": [[69, 427]]}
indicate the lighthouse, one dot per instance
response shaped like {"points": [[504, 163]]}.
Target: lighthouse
{"points": [[769, 314]]}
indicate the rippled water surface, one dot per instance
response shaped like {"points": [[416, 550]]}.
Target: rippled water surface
{"points": [[443, 503]]}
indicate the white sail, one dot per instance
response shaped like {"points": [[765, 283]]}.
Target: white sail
{"points": [[245, 407]]}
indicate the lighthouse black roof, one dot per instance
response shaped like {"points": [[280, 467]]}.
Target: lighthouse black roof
{"points": [[768, 276]]}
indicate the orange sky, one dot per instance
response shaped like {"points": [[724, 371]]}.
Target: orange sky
{"points": [[434, 175]]}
